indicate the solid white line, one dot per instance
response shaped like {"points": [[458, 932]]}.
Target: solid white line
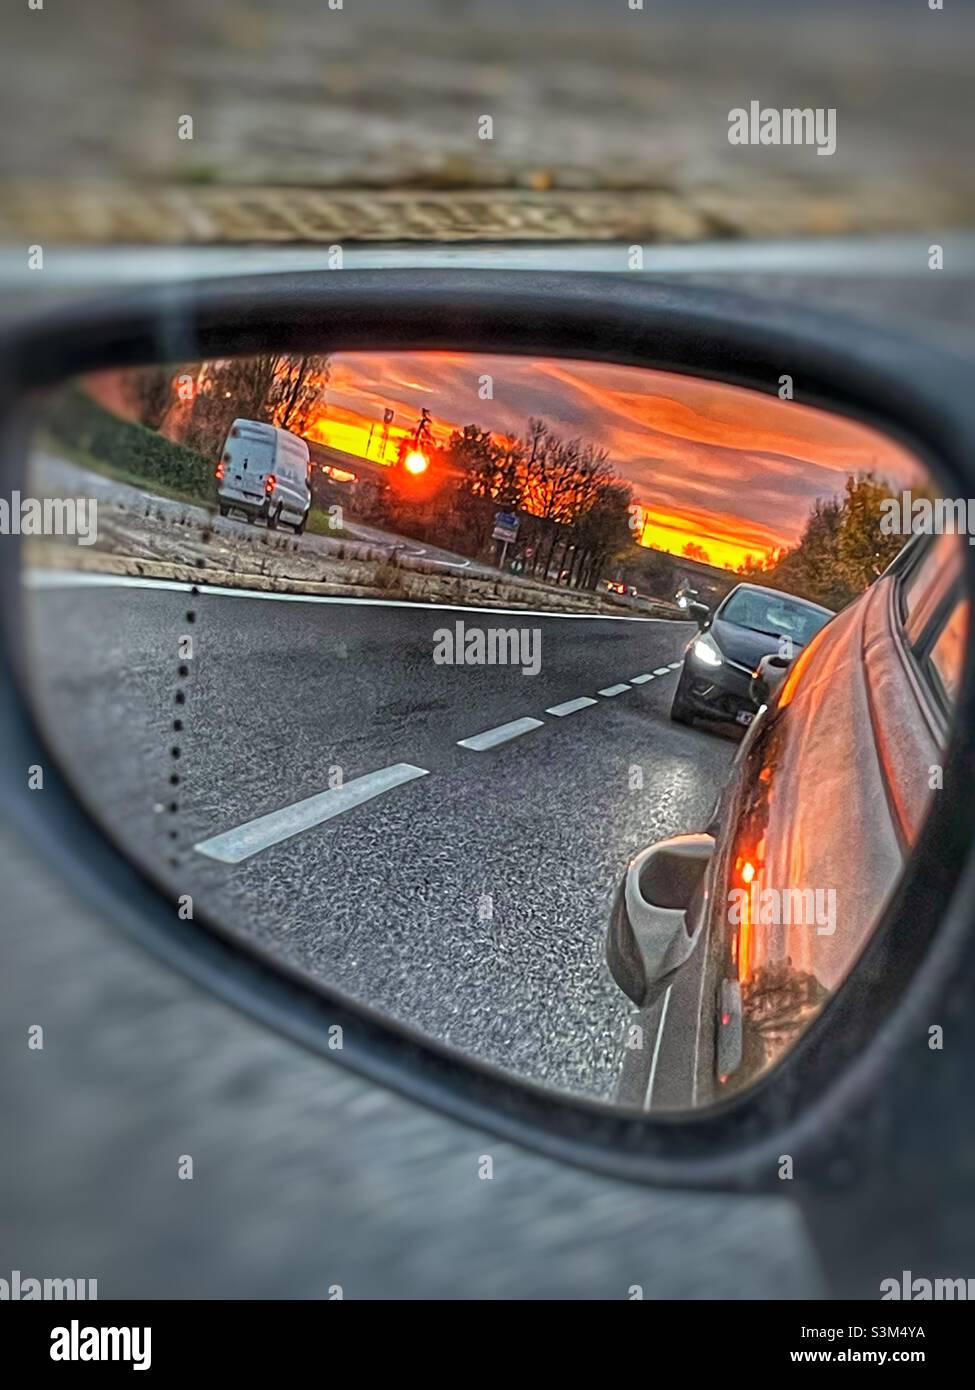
{"points": [[702, 972], [570, 706], [614, 690], [233, 846], [648, 1099], [640, 680], [38, 577], [492, 737], [661, 670]]}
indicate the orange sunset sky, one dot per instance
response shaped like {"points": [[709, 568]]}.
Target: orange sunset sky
{"points": [[731, 470]]}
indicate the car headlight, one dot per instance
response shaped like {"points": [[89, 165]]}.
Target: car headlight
{"points": [[706, 651]]}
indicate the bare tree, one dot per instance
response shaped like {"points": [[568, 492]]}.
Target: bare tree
{"points": [[297, 396], [150, 390], [278, 388]]}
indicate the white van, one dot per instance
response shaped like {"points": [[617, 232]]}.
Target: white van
{"points": [[265, 472]]}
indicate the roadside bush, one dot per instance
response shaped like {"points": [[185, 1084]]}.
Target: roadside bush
{"points": [[130, 451]]}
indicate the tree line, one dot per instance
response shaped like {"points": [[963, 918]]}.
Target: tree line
{"points": [[842, 548], [197, 403], [574, 509]]}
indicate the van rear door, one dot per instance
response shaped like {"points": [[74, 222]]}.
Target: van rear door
{"points": [[250, 457]]}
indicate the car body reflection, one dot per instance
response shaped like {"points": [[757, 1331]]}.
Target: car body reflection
{"points": [[812, 831]]}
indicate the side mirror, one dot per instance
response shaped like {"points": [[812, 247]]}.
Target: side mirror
{"points": [[768, 676], [700, 612], [649, 934]]}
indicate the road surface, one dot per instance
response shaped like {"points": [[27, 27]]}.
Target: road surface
{"points": [[353, 806]]}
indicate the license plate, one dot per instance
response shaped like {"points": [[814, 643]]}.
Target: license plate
{"points": [[744, 716]]}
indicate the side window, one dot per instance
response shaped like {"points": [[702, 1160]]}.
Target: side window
{"points": [[947, 653], [927, 583]]}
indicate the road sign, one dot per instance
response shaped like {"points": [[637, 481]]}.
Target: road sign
{"points": [[505, 526]]}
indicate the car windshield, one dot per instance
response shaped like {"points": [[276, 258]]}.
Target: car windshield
{"points": [[773, 614]]}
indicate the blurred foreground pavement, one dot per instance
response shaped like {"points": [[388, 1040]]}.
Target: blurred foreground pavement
{"points": [[362, 123]]}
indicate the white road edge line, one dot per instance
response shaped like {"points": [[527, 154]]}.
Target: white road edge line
{"points": [[38, 577], [697, 1029], [492, 737], [570, 706], [612, 690], [640, 680], [648, 1098], [233, 846]]}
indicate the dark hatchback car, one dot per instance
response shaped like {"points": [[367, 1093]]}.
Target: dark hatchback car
{"points": [[750, 623], [874, 691]]}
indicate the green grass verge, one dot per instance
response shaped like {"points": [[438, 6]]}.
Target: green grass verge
{"points": [[320, 524], [81, 430], [127, 451], [119, 474]]}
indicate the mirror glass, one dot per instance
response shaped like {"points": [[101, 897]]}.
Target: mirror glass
{"points": [[393, 663]]}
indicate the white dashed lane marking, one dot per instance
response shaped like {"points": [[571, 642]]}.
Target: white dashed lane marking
{"points": [[676, 665], [570, 706], [614, 690], [492, 737], [640, 680], [233, 846], [662, 671]]}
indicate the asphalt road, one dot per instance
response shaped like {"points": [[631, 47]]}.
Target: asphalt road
{"points": [[330, 126], [469, 901]]}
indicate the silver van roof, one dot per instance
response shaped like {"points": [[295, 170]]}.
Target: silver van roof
{"points": [[253, 427], [266, 430]]}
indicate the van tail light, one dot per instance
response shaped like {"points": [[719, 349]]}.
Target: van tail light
{"points": [[270, 483], [220, 469]]}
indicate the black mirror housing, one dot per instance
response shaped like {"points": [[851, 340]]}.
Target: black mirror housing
{"points": [[841, 1065]]}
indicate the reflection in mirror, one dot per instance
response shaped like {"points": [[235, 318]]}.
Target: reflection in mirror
{"points": [[408, 666]]}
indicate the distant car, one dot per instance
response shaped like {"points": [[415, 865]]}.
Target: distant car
{"points": [[264, 472], [751, 623]]}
